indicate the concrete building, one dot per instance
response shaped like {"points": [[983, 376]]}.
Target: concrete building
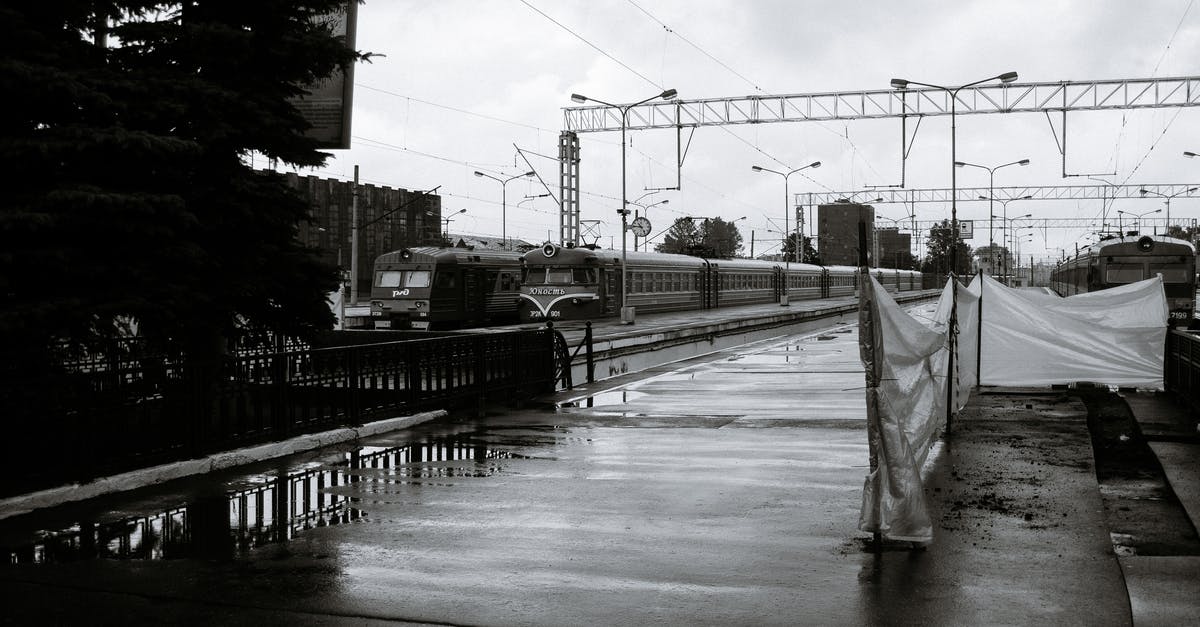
{"points": [[893, 249], [837, 233], [388, 219]]}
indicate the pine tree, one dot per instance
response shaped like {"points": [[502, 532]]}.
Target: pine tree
{"points": [[131, 198]]}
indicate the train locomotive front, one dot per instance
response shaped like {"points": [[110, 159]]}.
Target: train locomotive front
{"points": [[1129, 259], [444, 288], [568, 284]]}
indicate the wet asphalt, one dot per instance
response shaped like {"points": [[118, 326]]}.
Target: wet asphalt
{"points": [[722, 490]]}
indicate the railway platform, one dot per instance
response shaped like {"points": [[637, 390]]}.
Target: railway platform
{"points": [[721, 489]]}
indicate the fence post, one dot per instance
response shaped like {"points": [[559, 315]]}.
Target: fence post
{"points": [[354, 416], [591, 364]]}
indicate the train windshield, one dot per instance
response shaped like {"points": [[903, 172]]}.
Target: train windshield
{"points": [[1123, 273], [1173, 274], [402, 278], [560, 276]]}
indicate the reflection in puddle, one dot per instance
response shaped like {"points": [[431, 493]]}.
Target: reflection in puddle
{"points": [[277, 509], [612, 397]]}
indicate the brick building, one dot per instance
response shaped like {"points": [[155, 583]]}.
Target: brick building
{"points": [[837, 232]]}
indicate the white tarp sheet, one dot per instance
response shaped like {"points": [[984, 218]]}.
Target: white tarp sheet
{"points": [[1114, 336], [906, 401]]}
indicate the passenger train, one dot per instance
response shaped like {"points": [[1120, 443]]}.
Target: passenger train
{"points": [[1131, 258], [583, 282], [445, 288]]}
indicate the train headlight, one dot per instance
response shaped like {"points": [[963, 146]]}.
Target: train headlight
{"points": [[1145, 244], [420, 304], [575, 301]]}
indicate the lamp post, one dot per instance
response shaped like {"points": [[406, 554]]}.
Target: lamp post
{"points": [[1189, 154], [783, 298], [1168, 197], [1138, 216], [991, 216], [900, 83], [446, 223], [991, 185], [503, 200], [1008, 229], [627, 312]]}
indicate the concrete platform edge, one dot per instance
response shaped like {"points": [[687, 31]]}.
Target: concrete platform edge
{"points": [[25, 503]]}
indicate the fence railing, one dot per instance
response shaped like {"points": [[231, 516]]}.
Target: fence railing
{"points": [[1181, 366], [118, 410]]}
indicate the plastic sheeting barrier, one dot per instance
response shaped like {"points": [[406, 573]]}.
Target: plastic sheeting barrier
{"points": [[1114, 337]]}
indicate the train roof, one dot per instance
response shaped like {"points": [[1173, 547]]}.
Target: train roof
{"points": [[1132, 240], [451, 255], [574, 254]]}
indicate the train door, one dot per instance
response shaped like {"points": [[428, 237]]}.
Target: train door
{"points": [[824, 282], [610, 290], [778, 284], [473, 289]]}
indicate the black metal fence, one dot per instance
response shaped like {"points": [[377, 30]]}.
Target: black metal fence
{"points": [[115, 410], [1181, 367]]}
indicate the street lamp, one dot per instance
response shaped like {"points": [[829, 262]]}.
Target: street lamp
{"points": [[627, 312], [446, 222], [991, 185], [1008, 229], [1138, 216], [900, 83], [783, 299], [1168, 197], [1189, 154], [503, 200], [1004, 206]]}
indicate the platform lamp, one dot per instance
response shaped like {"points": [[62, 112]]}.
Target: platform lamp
{"points": [[991, 186], [1144, 191], [504, 200], [900, 83], [783, 298], [1137, 216], [627, 312]]}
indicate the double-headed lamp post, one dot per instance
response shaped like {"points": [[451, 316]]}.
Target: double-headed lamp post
{"points": [[787, 209], [627, 312], [991, 216], [503, 200], [1007, 253], [1168, 197], [446, 223], [991, 186], [1137, 216], [900, 83]]}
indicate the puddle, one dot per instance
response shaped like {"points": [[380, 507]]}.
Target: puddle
{"points": [[612, 397], [275, 509]]}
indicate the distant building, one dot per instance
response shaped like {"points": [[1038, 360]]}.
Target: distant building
{"points": [[837, 233], [389, 219], [893, 249]]}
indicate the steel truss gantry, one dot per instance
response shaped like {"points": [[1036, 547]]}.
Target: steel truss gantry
{"points": [[916, 102], [1131, 93], [967, 194]]}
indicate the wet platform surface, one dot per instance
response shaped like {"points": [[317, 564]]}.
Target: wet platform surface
{"points": [[721, 490]]}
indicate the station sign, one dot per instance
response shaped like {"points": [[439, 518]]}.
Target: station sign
{"points": [[966, 229]]}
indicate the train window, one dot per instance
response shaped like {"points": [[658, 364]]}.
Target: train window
{"points": [[507, 281], [558, 275], [402, 278], [1173, 274], [444, 280], [388, 278], [535, 276], [585, 275], [1123, 273]]}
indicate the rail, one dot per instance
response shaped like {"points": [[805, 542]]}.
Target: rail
{"points": [[112, 411]]}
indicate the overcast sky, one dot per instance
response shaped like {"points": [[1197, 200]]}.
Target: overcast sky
{"points": [[464, 80]]}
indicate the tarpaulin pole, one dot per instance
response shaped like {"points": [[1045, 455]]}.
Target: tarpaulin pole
{"points": [[951, 337], [979, 337], [868, 347]]}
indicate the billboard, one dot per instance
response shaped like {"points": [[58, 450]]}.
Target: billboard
{"points": [[328, 105]]}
